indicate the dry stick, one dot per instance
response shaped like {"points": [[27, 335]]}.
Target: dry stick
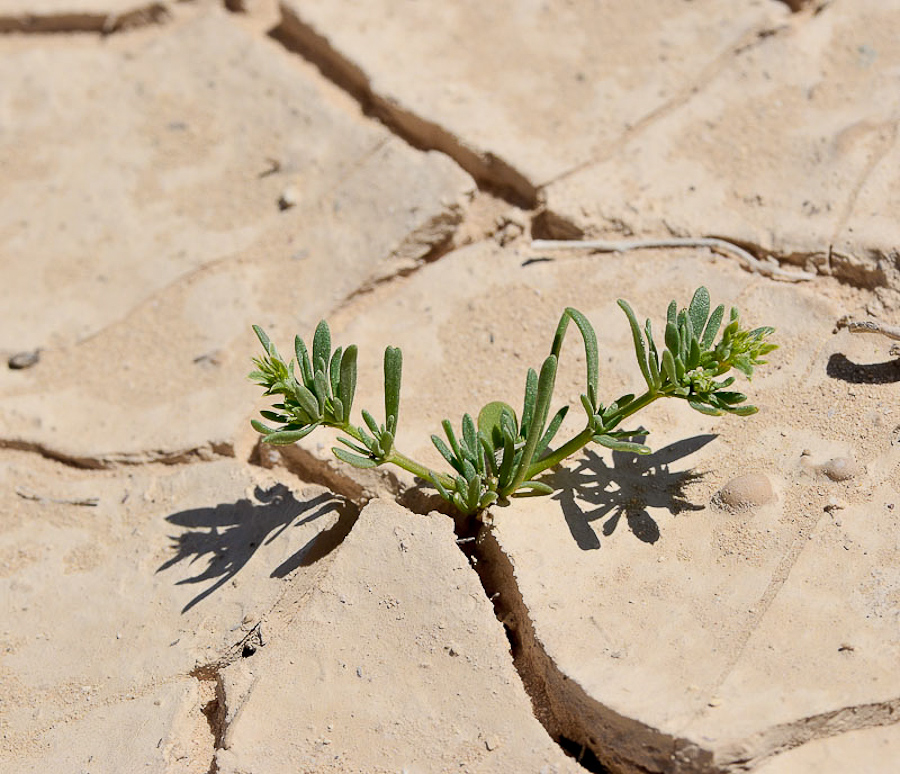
{"points": [[871, 326], [752, 262], [27, 494]]}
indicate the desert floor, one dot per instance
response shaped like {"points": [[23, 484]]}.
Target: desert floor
{"points": [[177, 597]]}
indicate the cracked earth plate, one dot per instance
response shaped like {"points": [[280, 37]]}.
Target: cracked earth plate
{"points": [[165, 577]]}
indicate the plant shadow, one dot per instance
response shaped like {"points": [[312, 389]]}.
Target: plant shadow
{"points": [[625, 490], [228, 535], [841, 367]]}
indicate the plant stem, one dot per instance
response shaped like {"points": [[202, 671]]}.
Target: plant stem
{"points": [[401, 460], [585, 436], [423, 472], [554, 458]]}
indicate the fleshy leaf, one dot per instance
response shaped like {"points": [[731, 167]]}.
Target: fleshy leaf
{"points": [[354, 459]]}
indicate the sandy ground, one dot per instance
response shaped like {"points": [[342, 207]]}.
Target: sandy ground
{"points": [[176, 597]]}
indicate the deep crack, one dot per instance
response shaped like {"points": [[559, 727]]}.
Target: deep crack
{"points": [[490, 172], [36, 23], [110, 460]]}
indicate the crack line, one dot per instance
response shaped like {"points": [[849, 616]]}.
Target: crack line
{"points": [[31, 23], [489, 170], [205, 453]]}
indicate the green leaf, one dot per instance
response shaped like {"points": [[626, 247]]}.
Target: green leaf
{"points": [[446, 453], [469, 441], [321, 346], [286, 437], [617, 444], [306, 371], [473, 495], [260, 427], [354, 446], [347, 389], [323, 390], [704, 408], [308, 402], [546, 382], [652, 357], [531, 386], [712, 327], [393, 372], [445, 495], [534, 489], [354, 459], [451, 437], [337, 409], [372, 424], [490, 421], [671, 313], [462, 486], [742, 411], [673, 341], [334, 371], [693, 354], [263, 339], [669, 366], [698, 310], [487, 455], [506, 462], [730, 398], [552, 428], [488, 499], [589, 337], [639, 350]]}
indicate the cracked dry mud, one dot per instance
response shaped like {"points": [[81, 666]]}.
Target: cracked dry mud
{"points": [[177, 598]]}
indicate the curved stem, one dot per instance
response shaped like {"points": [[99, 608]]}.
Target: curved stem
{"points": [[555, 457], [584, 437]]}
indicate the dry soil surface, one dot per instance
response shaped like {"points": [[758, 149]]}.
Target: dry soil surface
{"points": [[177, 597]]}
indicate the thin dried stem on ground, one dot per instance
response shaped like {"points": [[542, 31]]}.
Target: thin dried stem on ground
{"points": [[872, 325], [721, 245]]}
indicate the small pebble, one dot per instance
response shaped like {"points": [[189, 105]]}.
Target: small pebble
{"points": [[24, 359], [747, 491], [840, 468], [288, 198]]}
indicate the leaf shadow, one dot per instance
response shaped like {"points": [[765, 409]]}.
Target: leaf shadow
{"points": [[625, 491], [228, 535]]}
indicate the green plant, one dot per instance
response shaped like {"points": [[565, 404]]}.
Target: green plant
{"points": [[501, 455]]}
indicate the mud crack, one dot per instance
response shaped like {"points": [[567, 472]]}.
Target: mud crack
{"points": [[37, 23], [490, 172], [108, 461]]}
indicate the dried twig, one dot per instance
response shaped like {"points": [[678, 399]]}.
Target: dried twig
{"points": [[871, 326], [868, 326], [27, 494], [751, 261]]}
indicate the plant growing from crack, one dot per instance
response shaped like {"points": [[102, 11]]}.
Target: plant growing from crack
{"points": [[501, 455]]}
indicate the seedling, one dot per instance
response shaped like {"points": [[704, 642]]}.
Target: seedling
{"points": [[502, 455]]}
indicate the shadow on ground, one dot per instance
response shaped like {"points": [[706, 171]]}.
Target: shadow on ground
{"points": [[594, 491], [841, 367], [228, 535]]}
